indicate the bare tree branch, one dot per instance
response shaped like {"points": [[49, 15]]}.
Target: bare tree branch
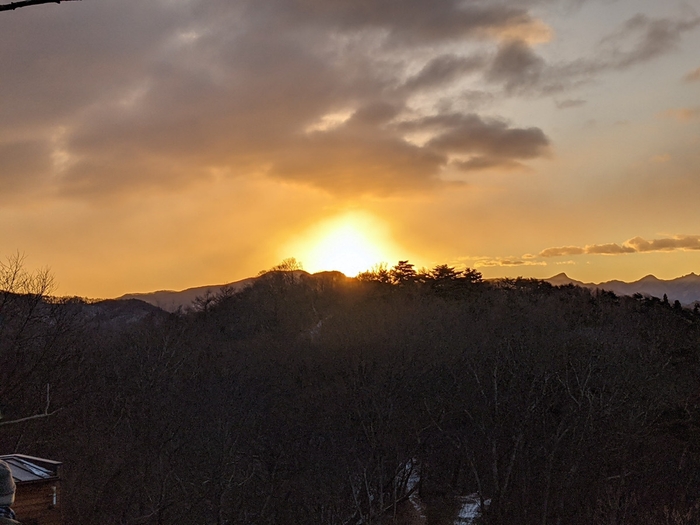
{"points": [[29, 418], [25, 3], [45, 413]]}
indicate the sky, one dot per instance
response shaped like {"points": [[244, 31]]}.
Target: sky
{"points": [[177, 143]]}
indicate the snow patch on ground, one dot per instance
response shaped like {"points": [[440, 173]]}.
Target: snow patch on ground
{"points": [[470, 509], [412, 487], [469, 506]]}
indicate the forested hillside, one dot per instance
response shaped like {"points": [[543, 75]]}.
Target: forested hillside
{"points": [[321, 399]]}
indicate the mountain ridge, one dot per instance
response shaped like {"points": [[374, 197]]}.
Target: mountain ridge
{"points": [[172, 300], [685, 289]]}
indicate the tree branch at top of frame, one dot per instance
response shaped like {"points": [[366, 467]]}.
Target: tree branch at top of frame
{"points": [[26, 3]]}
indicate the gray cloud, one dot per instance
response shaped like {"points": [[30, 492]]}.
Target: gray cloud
{"points": [[635, 245], [520, 70], [693, 76], [157, 94], [467, 101], [477, 163], [682, 114], [375, 113], [407, 21], [23, 163], [56, 62], [349, 163], [651, 37], [444, 69], [489, 143], [570, 103], [488, 137], [372, 144], [517, 66]]}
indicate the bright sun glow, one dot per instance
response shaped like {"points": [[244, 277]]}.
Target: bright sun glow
{"points": [[351, 244]]}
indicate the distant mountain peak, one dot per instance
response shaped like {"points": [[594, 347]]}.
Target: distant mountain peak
{"points": [[685, 289], [561, 279], [171, 301]]}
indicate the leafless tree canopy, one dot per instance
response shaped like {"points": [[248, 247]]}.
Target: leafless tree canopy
{"points": [[325, 400]]}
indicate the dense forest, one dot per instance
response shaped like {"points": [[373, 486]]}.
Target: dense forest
{"points": [[320, 399]]}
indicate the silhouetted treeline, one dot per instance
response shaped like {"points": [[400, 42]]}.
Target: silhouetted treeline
{"points": [[322, 400]]}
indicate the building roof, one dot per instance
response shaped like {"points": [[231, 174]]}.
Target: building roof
{"points": [[28, 468]]}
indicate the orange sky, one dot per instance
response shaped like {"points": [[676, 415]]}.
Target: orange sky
{"points": [[176, 143]]}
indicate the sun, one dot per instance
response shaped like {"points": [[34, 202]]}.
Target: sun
{"points": [[351, 244], [345, 249]]}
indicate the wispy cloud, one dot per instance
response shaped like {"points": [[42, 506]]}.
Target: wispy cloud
{"points": [[487, 262], [570, 103], [562, 251], [530, 30], [634, 245], [693, 76], [661, 158], [640, 39], [678, 242], [682, 114], [516, 66], [644, 38], [609, 249], [444, 69]]}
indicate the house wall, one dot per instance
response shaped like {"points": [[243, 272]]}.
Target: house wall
{"points": [[34, 503]]}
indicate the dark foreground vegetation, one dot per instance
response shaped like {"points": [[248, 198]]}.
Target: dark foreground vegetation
{"points": [[311, 399]]}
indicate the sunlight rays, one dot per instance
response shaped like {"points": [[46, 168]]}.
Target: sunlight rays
{"points": [[350, 243]]}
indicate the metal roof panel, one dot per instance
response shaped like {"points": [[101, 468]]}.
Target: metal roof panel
{"points": [[24, 469]]}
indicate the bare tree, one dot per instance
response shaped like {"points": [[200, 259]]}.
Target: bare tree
{"points": [[28, 331]]}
